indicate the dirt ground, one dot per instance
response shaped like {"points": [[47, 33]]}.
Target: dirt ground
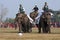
{"points": [[11, 34]]}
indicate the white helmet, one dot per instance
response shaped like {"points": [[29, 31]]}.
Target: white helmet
{"points": [[35, 4]]}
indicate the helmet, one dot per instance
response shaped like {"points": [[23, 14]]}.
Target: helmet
{"points": [[35, 4], [45, 2], [20, 5]]}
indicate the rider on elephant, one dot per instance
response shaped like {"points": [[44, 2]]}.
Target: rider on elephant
{"points": [[35, 8], [21, 9], [47, 17], [45, 8]]}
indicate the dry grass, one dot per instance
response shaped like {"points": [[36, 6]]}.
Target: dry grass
{"points": [[11, 34]]}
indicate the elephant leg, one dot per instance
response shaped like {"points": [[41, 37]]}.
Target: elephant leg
{"points": [[15, 26], [24, 28], [30, 27], [39, 29], [20, 28], [48, 29], [44, 28]]}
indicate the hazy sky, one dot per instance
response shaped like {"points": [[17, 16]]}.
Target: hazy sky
{"points": [[13, 5]]}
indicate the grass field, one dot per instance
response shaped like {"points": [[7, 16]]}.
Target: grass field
{"points": [[11, 34]]}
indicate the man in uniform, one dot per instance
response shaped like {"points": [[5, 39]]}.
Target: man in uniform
{"points": [[35, 8], [21, 9], [45, 8], [47, 14]]}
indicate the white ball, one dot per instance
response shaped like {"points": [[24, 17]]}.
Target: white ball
{"points": [[20, 34]]}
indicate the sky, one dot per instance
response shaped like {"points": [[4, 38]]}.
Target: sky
{"points": [[13, 6]]}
